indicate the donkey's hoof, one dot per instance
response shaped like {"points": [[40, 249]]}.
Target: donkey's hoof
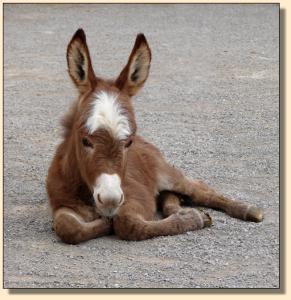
{"points": [[192, 219], [206, 219], [255, 214]]}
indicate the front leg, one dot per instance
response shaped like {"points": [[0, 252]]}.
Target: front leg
{"points": [[171, 204], [72, 228], [129, 225]]}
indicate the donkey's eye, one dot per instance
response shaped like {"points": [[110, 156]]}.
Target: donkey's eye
{"points": [[86, 143], [128, 143]]}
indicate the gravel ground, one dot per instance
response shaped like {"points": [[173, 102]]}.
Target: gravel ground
{"points": [[211, 104]]}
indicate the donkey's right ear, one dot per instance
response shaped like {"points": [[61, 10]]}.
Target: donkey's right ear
{"points": [[79, 62]]}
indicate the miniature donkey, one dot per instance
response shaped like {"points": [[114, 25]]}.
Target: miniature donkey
{"points": [[104, 177]]}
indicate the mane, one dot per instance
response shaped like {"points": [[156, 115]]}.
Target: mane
{"points": [[67, 121]]}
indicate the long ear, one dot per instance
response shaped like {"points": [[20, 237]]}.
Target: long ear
{"points": [[79, 62], [135, 73]]}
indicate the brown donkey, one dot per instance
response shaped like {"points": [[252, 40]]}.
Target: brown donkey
{"points": [[105, 177]]}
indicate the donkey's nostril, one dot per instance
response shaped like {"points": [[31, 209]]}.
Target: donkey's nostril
{"points": [[121, 199], [99, 199]]}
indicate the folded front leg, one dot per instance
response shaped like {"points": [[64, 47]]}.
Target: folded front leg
{"points": [[134, 227], [73, 229]]}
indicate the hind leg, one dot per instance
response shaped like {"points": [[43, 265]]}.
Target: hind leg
{"points": [[202, 195], [75, 227], [169, 203]]}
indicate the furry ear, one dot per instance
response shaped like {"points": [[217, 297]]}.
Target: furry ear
{"points": [[136, 71], [79, 62]]}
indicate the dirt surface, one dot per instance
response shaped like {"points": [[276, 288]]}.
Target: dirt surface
{"points": [[211, 104]]}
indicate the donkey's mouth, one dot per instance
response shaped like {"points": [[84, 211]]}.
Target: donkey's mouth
{"points": [[107, 212]]}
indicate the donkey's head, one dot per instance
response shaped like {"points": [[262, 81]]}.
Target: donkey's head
{"points": [[104, 124]]}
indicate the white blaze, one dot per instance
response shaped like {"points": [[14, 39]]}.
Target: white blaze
{"points": [[107, 113]]}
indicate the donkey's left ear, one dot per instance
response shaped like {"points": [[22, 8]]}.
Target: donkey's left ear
{"points": [[79, 62], [136, 71]]}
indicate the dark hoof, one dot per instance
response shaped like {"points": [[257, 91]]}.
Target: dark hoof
{"points": [[255, 214], [207, 219]]}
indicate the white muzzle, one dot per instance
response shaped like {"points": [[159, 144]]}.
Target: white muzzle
{"points": [[108, 194]]}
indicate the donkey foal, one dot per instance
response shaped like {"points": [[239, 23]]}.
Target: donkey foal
{"points": [[105, 177]]}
